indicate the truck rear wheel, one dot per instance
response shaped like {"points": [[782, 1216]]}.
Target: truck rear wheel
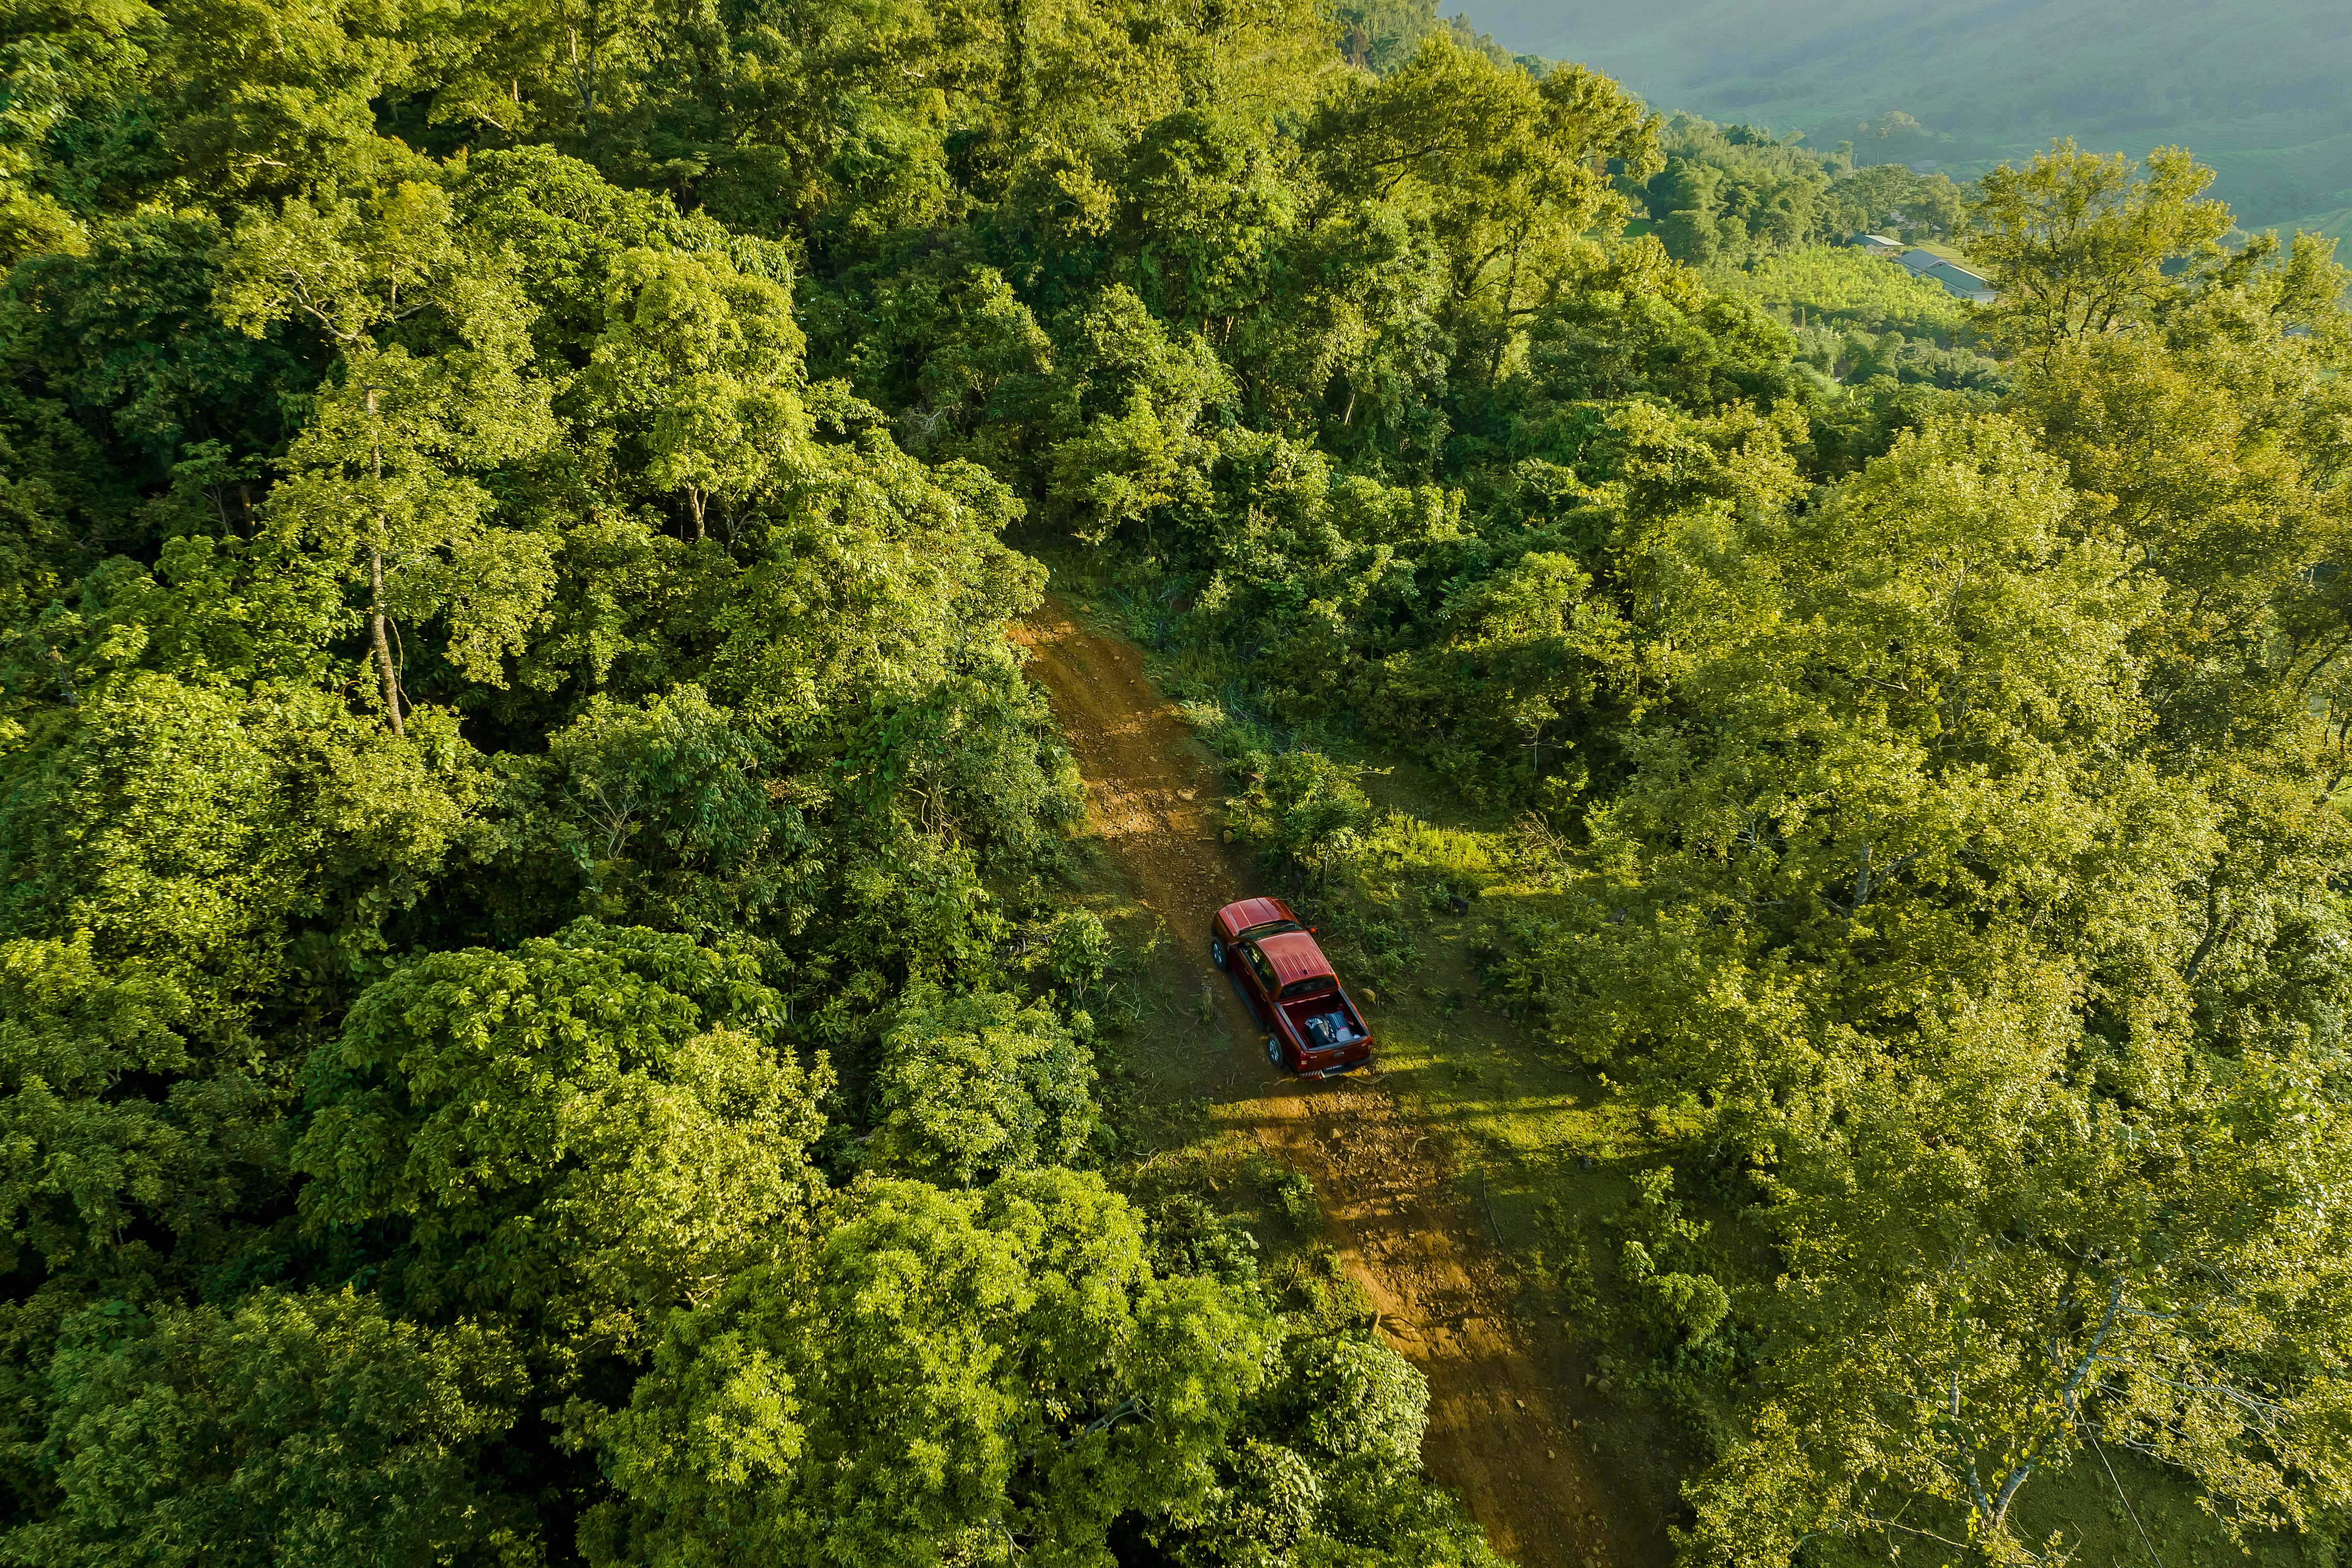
{"points": [[1273, 1052]]}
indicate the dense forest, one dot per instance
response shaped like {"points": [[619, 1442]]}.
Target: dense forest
{"points": [[537, 1021]]}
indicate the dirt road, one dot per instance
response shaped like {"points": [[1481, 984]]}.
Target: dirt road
{"points": [[1502, 1431]]}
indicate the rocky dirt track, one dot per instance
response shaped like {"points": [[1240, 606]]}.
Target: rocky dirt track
{"points": [[1502, 1431]]}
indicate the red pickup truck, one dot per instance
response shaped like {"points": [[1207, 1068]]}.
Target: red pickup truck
{"points": [[1314, 1029]]}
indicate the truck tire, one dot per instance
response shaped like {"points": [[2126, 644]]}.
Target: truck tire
{"points": [[1217, 953], [1273, 1052]]}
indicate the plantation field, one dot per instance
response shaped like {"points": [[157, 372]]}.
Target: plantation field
{"points": [[2258, 96], [1834, 284], [2336, 226]]}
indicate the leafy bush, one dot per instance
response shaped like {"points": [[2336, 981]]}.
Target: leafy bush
{"points": [[1078, 952], [1306, 810], [1295, 1194]]}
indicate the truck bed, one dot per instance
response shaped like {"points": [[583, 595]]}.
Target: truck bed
{"points": [[1333, 1009]]}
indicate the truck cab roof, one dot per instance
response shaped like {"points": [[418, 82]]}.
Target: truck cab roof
{"points": [[1296, 956]]}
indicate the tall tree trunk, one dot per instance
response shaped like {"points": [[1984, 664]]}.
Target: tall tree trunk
{"points": [[383, 644], [1503, 328], [583, 71], [1014, 86], [375, 595]]}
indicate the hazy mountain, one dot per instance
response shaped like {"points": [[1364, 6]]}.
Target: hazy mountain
{"points": [[2256, 87]]}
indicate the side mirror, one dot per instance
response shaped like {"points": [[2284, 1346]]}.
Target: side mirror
{"points": [[1315, 931]]}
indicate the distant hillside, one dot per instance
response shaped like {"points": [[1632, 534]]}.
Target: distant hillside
{"points": [[2259, 94]]}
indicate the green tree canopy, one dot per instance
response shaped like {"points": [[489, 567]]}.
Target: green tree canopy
{"points": [[976, 1086], [573, 1137], [992, 1366], [296, 1428]]}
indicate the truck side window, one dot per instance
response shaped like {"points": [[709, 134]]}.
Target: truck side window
{"points": [[1265, 970]]}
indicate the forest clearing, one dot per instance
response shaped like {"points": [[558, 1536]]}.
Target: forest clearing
{"points": [[1501, 1403]]}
